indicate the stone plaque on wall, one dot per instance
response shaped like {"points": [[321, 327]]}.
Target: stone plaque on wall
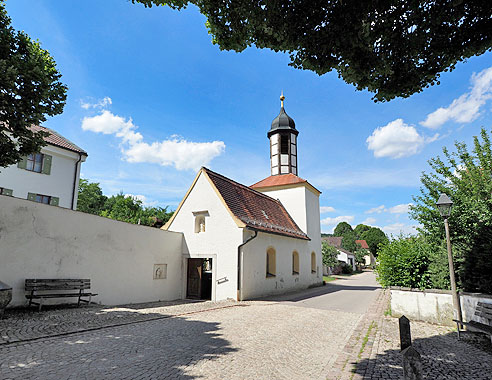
{"points": [[160, 271]]}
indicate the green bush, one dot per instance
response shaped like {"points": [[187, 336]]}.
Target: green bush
{"points": [[347, 269], [404, 261]]}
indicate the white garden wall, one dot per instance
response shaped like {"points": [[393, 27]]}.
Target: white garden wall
{"points": [[434, 306], [42, 241]]}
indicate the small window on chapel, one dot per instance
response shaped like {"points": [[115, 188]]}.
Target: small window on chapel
{"points": [[270, 263], [284, 144]]}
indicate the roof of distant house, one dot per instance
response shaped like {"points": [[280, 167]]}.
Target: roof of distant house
{"points": [[281, 180], [256, 210], [54, 138], [362, 243], [335, 241]]}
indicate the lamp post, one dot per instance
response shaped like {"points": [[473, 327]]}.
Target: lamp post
{"points": [[444, 205]]}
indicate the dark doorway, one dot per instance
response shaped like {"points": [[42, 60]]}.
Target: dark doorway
{"points": [[199, 279]]}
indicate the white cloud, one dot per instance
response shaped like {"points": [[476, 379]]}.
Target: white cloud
{"points": [[396, 140], [103, 103], [337, 219], [175, 151], [377, 210], [400, 209], [325, 209], [397, 228], [466, 108], [369, 221]]}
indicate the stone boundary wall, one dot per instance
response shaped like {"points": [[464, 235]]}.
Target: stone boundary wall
{"points": [[42, 241], [433, 305]]}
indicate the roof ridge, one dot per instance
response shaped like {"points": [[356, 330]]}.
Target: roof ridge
{"points": [[239, 184]]}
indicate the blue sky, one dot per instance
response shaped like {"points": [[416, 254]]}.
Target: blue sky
{"points": [[151, 100]]}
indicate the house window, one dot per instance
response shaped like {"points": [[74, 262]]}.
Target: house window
{"points": [[199, 223], [35, 162], [270, 263], [295, 262], [284, 144], [43, 199], [4, 191], [313, 262]]}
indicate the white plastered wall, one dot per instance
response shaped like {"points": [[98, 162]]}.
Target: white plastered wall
{"points": [[219, 241], [303, 206], [255, 282], [59, 183], [42, 241]]}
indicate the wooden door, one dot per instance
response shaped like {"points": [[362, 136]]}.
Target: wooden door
{"points": [[194, 283]]}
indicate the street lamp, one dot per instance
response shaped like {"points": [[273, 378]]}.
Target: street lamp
{"points": [[444, 205]]}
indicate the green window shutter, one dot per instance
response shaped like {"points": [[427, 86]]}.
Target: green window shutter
{"points": [[22, 164], [31, 197], [7, 192], [46, 164], [54, 201]]}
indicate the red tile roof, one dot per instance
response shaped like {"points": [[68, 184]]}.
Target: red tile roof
{"points": [[278, 180], [281, 180], [362, 243], [335, 241], [58, 140], [258, 211]]}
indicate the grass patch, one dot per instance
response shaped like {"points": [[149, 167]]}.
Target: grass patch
{"points": [[387, 312], [366, 338], [328, 278]]}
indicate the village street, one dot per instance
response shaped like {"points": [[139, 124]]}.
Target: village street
{"points": [[308, 335]]}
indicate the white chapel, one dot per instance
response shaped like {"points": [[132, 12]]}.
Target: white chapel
{"points": [[243, 242]]}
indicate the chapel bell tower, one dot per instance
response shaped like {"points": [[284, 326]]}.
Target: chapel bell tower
{"points": [[283, 143]]}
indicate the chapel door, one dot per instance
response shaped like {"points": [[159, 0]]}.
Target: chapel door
{"points": [[194, 282]]}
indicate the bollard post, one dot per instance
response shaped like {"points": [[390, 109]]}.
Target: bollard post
{"points": [[412, 364], [405, 335]]}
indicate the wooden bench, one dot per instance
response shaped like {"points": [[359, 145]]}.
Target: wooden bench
{"points": [[57, 288], [483, 310]]}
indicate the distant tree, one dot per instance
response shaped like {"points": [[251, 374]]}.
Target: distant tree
{"points": [[360, 254], [374, 237], [342, 228], [391, 48], [30, 90], [119, 207], [360, 229], [329, 254], [91, 199], [348, 241]]}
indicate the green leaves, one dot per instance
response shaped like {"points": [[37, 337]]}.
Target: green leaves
{"points": [[329, 254], [390, 48], [466, 177], [30, 90]]}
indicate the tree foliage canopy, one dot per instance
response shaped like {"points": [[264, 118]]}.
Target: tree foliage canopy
{"points": [[342, 228], [466, 177], [329, 254], [391, 48], [119, 207], [374, 237], [30, 90]]}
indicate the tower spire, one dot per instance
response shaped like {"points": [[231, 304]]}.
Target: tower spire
{"points": [[282, 98]]}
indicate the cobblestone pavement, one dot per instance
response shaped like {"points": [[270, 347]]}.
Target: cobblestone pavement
{"points": [[376, 354], [253, 340]]}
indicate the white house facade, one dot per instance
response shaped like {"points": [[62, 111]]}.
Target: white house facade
{"points": [[243, 242], [50, 177]]}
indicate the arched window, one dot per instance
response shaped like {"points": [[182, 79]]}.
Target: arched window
{"points": [[295, 262], [199, 223], [270, 263], [313, 262]]}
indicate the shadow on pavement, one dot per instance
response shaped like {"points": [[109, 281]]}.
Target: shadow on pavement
{"points": [[443, 358]]}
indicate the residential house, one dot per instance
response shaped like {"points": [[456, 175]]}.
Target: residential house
{"points": [[369, 258], [50, 176]]}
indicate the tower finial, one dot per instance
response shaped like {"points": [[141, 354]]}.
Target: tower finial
{"points": [[282, 98]]}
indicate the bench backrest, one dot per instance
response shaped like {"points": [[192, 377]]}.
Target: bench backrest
{"points": [[484, 310], [57, 284]]}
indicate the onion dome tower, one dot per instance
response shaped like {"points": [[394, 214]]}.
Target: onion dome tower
{"points": [[283, 143]]}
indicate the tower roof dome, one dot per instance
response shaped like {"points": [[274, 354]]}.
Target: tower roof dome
{"points": [[283, 122]]}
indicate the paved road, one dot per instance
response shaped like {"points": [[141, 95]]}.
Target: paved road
{"points": [[351, 294]]}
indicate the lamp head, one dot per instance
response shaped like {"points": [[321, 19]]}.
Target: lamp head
{"points": [[444, 205]]}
